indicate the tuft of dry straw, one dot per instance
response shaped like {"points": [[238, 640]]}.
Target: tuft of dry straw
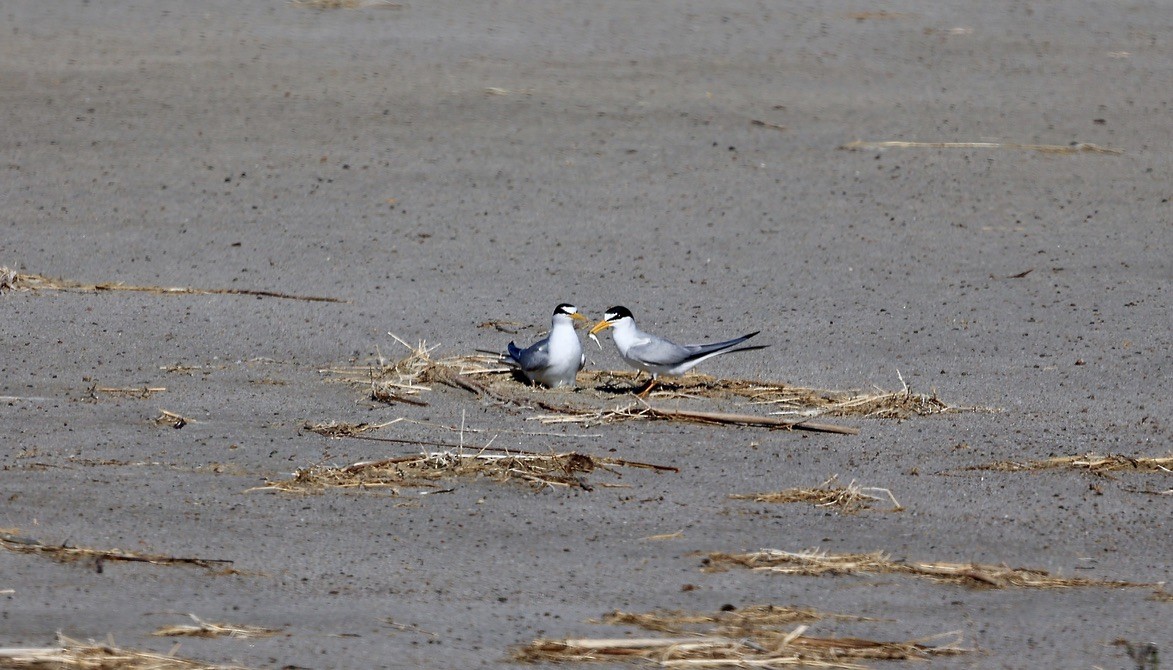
{"points": [[426, 469], [732, 621], [93, 656], [32, 282], [142, 392], [1091, 462], [335, 429], [203, 628], [67, 554], [748, 646], [975, 575], [171, 419], [8, 280], [849, 499]]}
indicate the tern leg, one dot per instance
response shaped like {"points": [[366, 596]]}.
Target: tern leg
{"points": [[648, 388]]}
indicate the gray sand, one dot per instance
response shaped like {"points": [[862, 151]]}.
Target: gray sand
{"points": [[438, 165]]}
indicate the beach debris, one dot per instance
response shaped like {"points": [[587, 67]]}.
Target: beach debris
{"points": [[1073, 148], [73, 654], [203, 628], [757, 636], [336, 429], [848, 499], [814, 562], [171, 419], [67, 554], [766, 124], [141, 392], [33, 282], [794, 408], [728, 620], [1092, 463], [431, 469], [1144, 654], [8, 280]]}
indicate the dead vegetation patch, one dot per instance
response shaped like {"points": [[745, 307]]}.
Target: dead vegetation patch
{"points": [[1093, 463], [728, 621], [759, 636], [973, 575], [11, 280], [791, 407], [66, 554], [141, 392], [203, 628], [848, 499], [1160, 595], [171, 419], [432, 469], [73, 654], [8, 280], [336, 429]]}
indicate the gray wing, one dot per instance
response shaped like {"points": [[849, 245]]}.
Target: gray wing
{"points": [[535, 357], [661, 352]]}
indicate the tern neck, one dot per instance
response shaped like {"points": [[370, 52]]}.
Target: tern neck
{"points": [[625, 334]]}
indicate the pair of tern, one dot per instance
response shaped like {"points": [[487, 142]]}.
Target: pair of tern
{"points": [[556, 359]]}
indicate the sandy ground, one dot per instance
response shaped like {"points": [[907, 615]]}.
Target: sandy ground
{"points": [[440, 165]]}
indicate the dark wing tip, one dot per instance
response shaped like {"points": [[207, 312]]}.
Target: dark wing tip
{"points": [[514, 351]]}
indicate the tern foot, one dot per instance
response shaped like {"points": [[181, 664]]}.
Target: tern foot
{"points": [[647, 389]]}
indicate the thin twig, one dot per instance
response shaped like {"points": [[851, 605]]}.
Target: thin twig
{"points": [[1074, 148]]}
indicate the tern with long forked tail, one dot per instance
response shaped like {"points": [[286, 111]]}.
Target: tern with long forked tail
{"points": [[656, 355]]}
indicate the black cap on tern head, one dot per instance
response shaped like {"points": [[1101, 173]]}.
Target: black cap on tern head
{"points": [[566, 308], [618, 312]]}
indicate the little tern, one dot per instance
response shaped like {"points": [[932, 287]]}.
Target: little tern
{"points": [[656, 355], [556, 359]]}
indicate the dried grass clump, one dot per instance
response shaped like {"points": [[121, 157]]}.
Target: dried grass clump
{"points": [[335, 429], [171, 419], [593, 402], [730, 621], [849, 499], [8, 280], [32, 282], [141, 392], [1090, 462], [743, 648], [427, 469], [67, 554], [400, 380], [974, 575], [1160, 595], [203, 628], [90, 655], [789, 400]]}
